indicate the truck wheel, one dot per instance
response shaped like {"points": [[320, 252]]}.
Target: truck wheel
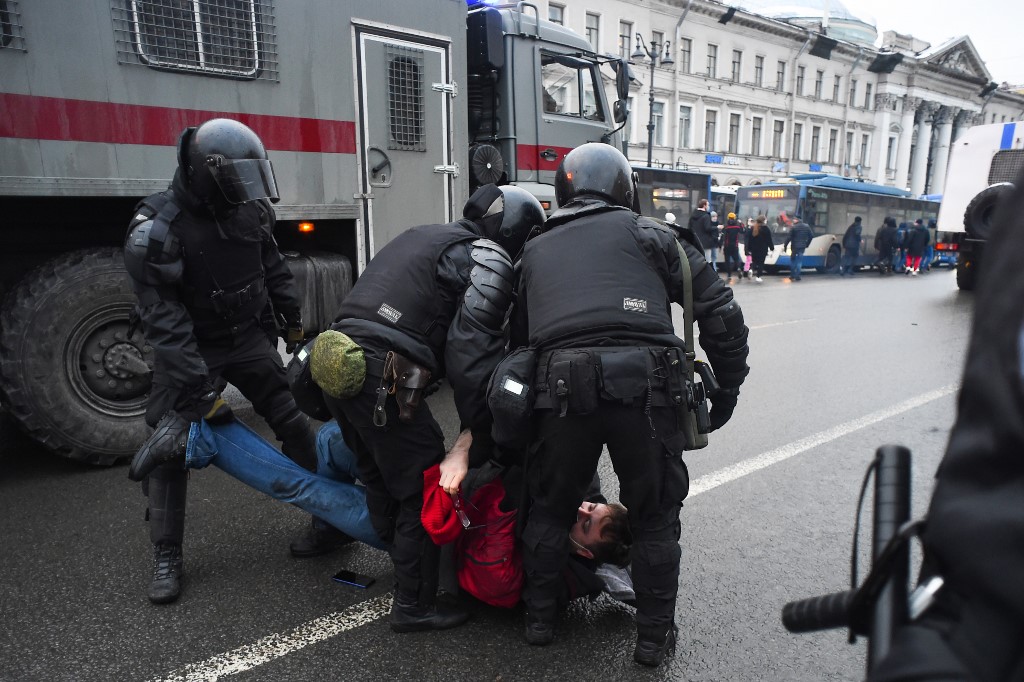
{"points": [[966, 274], [831, 261], [66, 360], [980, 212]]}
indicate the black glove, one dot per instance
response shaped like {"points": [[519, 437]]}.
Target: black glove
{"points": [[722, 405], [291, 332]]}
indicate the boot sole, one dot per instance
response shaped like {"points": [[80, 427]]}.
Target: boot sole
{"points": [[402, 628]]}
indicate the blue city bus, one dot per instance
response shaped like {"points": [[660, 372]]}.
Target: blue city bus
{"points": [[666, 190], [829, 204]]}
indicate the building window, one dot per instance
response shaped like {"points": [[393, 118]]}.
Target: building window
{"points": [[685, 119], [737, 65], [778, 131], [798, 134], [864, 150], [815, 142], [685, 55], [759, 71], [658, 38], [712, 61], [755, 135], [867, 96], [819, 80], [835, 88], [780, 82], [734, 133], [625, 39], [594, 30], [710, 123], [890, 154], [658, 119], [849, 148], [556, 14], [800, 80], [853, 92], [232, 38], [833, 140]]}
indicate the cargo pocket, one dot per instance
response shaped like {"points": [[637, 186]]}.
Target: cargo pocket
{"points": [[675, 479]]}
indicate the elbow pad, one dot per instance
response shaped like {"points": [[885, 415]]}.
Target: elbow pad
{"points": [[725, 323], [724, 339], [152, 258], [489, 295]]}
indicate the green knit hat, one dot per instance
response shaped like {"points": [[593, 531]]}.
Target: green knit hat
{"points": [[337, 364]]}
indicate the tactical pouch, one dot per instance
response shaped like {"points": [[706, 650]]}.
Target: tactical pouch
{"points": [[510, 397], [407, 381], [693, 406], [628, 374], [572, 381]]}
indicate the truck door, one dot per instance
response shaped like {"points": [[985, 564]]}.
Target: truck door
{"points": [[405, 155]]}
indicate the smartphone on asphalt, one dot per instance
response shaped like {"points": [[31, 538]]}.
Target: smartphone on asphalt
{"points": [[354, 579]]}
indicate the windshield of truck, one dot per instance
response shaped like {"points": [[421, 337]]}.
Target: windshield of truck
{"points": [[570, 86]]}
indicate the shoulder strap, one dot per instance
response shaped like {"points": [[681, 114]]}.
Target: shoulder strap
{"points": [[684, 262]]}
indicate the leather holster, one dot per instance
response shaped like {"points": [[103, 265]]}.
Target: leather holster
{"points": [[407, 381]]}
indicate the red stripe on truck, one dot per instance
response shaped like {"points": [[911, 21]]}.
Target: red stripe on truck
{"points": [[76, 120], [529, 157]]}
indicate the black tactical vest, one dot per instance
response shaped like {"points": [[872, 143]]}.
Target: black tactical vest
{"points": [[398, 289], [590, 275], [223, 281]]}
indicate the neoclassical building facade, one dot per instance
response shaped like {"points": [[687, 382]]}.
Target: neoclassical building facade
{"points": [[749, 95]]}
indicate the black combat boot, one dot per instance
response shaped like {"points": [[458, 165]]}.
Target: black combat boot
{"points": [[167, 444], [651, 650], [538, 633], [166, 584], [408, 615], [319, 538]]}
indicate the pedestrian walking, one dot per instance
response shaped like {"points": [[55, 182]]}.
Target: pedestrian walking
{"points": [[732, 234], [851, 248], [917, 240], [798, 240], [760, 244], [706, 230], [884, 241]]}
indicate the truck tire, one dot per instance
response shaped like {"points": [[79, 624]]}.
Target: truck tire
{"points": [[966, 274], [980, 212], [63, 341]]}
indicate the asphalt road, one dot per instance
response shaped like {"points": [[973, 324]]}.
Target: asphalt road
{"points": [[839, 366]]}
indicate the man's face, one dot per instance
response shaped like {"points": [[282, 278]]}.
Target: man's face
{"points": [[586, 532]]}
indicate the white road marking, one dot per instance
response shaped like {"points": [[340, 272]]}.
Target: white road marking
{"points": [[779, 454], [317, 630], [779, 324], [278, 645]]}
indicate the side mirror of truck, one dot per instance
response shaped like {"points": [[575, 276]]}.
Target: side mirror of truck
{"points": [[622, 78], [620, 110]]}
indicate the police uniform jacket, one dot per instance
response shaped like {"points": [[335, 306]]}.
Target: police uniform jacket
{"points": [[409, 299], [176, 273]]}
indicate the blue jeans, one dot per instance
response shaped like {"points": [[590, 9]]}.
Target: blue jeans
{"points": [[796, 260], [330, 494], [713, 258]]}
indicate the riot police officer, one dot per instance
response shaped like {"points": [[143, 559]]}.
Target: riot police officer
{"points": [[594, 297], [431, 303], [212, 288]]}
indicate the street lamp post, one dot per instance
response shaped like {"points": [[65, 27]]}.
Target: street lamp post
{"points": [[654, 53]]}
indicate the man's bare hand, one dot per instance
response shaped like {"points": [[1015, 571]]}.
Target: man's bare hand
{"points": [[455, 465]]}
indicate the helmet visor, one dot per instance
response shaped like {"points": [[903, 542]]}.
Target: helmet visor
{"points": [[242, 180]]}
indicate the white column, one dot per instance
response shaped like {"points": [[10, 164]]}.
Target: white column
{"points": [[919, 174], [910, 105], [941, 161], [883, 119]]}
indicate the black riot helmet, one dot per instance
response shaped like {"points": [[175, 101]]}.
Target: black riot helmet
{"points": [[596, 169], [505, 214], [224, 160]]}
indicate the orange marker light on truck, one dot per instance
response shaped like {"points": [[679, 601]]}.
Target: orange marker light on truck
{"points": [[306, 227]]}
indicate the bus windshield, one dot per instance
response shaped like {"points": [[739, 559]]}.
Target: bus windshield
{"points": [[777, 204], [664, 190]]}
